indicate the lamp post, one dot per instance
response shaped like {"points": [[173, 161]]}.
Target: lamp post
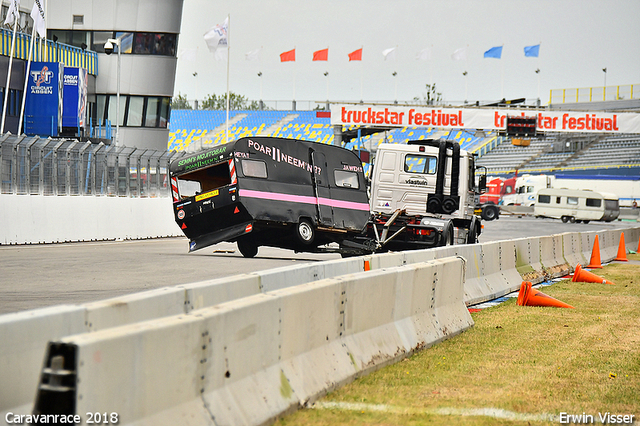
{"points": [[395, 94], [465, 86], [260, 104], [108, 49]]}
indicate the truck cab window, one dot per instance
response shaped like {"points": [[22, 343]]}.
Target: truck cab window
{"points": [[254, 168], [420, 164], [346, 179]]}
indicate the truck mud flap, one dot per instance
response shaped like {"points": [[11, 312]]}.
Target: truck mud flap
{"points": [[225, 234]]}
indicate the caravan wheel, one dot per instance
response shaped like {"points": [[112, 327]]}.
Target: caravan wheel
{"points": [[247, 248], [305, 232]]}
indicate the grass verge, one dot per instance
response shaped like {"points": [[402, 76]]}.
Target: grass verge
{"points": [[517, 365]]}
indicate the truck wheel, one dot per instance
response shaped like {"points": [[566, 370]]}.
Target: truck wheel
{"points": [[565, 219], [446, 238], [305, 232], [490, 212], [248, 248], [572, 219], [472, 234]]}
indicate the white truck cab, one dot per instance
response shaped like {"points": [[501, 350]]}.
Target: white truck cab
{"points": [[423, 177]]}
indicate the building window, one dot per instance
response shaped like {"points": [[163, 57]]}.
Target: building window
{"points": [[135, 111]]}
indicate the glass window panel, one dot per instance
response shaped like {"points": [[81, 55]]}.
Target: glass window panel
{"points": [[254, 168], [572, 200], [126, 42], [99, 39], [151, 117], [113, 109], [346, 179], [164, 112], [135, 111], [546, 199]]}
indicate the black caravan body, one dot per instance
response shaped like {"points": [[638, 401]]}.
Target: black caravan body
{"points": [[269, 191]]}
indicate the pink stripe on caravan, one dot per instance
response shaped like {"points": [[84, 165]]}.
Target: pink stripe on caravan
{"points": [[303, 199], [344, 204]]}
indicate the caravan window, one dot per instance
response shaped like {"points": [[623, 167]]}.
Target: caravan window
{"points": [[420, 164], [346, 179], [572, 201], [594, 202], [254, 168], [545, 199], [558, 200]]}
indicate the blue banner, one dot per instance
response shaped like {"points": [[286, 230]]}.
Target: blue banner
{"points": [[74, 97], [43, 103], [494, 52]]}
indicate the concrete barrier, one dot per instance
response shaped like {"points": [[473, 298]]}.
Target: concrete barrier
{"points": [[528, 260], [492, 270], [250, 360], [551, 257], [24, 337], [51, 219]]}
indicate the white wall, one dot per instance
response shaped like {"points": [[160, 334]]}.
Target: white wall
{"points": [[29, 219]]}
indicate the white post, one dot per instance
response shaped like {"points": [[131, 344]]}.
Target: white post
{"points": [[6, 90], [26, 79], [228, 47]]}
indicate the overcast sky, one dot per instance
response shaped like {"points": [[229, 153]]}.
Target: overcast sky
{"points": [[578, 39]]}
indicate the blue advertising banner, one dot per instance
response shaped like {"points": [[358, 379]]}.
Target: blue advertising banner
{"points": [[43, 105], [75, 97]]}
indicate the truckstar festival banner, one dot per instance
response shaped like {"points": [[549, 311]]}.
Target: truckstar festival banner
{"points": [[482, 118]]}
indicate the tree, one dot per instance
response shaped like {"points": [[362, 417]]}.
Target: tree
{"points": [[180, 102], [236, 102], [432, 96]]}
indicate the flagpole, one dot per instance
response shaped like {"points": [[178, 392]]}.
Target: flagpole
{"points": [[361, 75], [26, 79], [228, 47], [6, 90]]}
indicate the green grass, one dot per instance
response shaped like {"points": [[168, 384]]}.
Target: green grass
{"points": [[531, 361]]}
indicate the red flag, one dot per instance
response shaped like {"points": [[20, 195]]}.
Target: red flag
{"points": [[288, 56], [321, 55], [356, 55]]}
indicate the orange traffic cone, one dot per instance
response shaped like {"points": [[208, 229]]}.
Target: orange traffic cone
{"points": [[530, 296], [595, 255], [622, 250], [582, 276]]}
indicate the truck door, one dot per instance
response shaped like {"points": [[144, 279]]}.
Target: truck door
{"points": [[320, 177]]}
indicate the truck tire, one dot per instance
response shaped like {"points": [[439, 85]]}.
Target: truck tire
{"points": [[446, 238], [305, 232], [490, 212], [472, 234], [248, 248]]}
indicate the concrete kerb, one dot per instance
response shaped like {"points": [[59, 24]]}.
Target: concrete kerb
{"points": [[203, 367]]}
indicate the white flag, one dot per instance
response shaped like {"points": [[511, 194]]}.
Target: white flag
{"points": [[37, 14], [254, 55], [13, 12], [460, 54], [389, 53], [217, 36], [424, 54]]}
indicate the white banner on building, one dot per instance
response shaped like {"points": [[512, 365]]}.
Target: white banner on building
{"points": [[482, 118]]}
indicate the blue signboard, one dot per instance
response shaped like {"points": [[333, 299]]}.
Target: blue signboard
{"points": [[43, 105], [75, 97]]}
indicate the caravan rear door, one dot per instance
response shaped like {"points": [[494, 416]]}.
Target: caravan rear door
{"points": [[321, 188]]}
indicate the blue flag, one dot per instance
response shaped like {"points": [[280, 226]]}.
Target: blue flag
{"points": [[494, 52], [532, 51]]}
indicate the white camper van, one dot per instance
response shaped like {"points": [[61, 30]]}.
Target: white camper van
{"points": [[576, 205]]}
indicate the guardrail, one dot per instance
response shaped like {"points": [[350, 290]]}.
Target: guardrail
{"points": [[193, 349]]}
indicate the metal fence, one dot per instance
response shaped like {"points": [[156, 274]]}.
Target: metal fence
{"points": [[31, 165]]}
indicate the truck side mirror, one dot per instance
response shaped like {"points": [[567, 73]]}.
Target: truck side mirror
{"points": [[482, 184]]}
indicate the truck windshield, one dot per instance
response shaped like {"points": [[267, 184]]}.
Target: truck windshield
{"points": [[204, 180]]}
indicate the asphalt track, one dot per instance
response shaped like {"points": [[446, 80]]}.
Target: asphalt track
{"points": [[35, 276]]}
